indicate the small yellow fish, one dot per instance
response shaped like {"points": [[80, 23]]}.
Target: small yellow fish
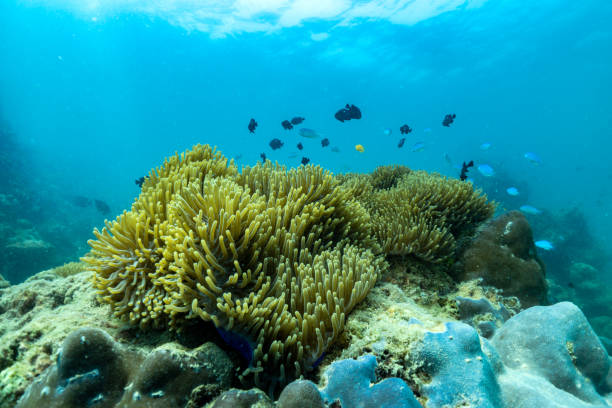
{"points": [[359, 148]]}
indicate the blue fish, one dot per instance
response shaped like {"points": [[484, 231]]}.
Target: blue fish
{"points": [[418, 147], [485, 146], [513, 191], [545, 245], [528, 209], [532, 157], [486, 170]]}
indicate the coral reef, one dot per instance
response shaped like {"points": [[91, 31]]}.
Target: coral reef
{"points": [[93, 369], [35, 317], [343, 280], [504, 256], [274, 258], [401, 322]]}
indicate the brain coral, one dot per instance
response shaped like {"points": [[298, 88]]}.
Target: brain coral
{"points": [[274, 258]]}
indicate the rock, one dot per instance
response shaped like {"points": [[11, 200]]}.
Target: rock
{"points": [[504, 256]]}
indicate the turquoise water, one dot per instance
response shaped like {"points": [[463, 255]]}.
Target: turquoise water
{"points": [[94, 96]]}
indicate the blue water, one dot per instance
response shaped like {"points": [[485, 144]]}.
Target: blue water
{"points": [[97, 95]]}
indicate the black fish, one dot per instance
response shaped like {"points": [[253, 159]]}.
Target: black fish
{"points": [[252, 125], [464, 170], [276, 144], [102, 207], [401, 142], [405, 129], [297, 120], [263, 157], [286, 125], [348, 112], [139, 181], [81, 201], [305, 160], [448, 119], [300, 146], [571, 285], [325, 142]]}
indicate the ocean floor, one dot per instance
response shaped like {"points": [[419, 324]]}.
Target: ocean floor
{"points": [[418, 339]]}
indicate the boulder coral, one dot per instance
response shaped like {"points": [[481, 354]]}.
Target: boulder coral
{"points": [[92, 369], [503, 255]]}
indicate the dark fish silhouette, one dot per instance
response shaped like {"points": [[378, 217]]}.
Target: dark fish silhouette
{"points": [[348, 112], [325, 142], [297, 120], [448, 119], [305, 160], [464, 170], [139, 181], [102, 207], [276, 144], [300, 146], [81, 201], [263, 157], [286, 125], [252, 125], [405, 129], [401, 142]]}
